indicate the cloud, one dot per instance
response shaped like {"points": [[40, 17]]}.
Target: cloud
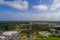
{"points": [[55, 5], [18, 4], [40, 7], [17, 16], [50, 16]]}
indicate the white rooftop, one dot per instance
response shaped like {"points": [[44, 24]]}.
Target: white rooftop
{"points": [[53, 29], [45, 33], [2, 36], [9, 33]]}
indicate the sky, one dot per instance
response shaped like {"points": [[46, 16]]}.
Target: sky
{"points": [[29, 10]]}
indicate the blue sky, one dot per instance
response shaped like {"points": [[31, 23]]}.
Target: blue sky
{"points": [[29, 10]]}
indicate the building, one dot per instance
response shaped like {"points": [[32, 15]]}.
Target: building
{"points": [[11, 35], [55, 31], [45, 33], [2, 37]]}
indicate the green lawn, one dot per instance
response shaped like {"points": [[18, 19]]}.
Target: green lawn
{"points": [[40, 37], [53, 38], [50, 38]]}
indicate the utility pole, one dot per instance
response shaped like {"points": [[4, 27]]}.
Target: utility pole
{"points": [[30, 32], [31, 29]]}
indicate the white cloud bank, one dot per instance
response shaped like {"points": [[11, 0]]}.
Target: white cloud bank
{"points": [[40, 7], [55, 5], [18, 4], [51, 16], [54, 16]]}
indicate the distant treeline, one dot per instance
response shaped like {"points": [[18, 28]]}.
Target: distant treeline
{"points": [[11, 25]]}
